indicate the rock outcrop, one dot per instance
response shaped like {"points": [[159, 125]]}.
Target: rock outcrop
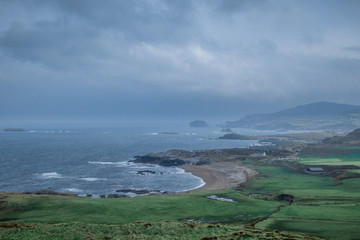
{"points": [[198, 123], [236, 136], [198, 157], [14, 130]]}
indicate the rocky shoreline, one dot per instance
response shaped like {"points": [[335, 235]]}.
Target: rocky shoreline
{"points": [[205, 164], [209, 166], [201, 157]]}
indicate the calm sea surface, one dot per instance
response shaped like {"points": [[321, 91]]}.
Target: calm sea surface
{"points": [[95, 161]]}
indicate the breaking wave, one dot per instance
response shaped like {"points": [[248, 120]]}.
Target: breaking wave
{"points": [[90, 179], [48, 175]]}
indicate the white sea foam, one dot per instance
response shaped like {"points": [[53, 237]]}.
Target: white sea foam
{"points": [[72, 190], [90, 179], [179, 171], [142, 167], [202, 183], [118, 164], [48, 175]]}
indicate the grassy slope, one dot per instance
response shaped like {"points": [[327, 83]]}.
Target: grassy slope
{"points": [[346, 159], [28, 217], [57, 209], [163, 230], [322, 206]]}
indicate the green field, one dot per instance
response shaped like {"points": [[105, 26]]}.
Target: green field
{"points": [[345, 147], [322, 206], [326, 229], [159, 217], [58, 209], [344, 159], [354, 171]]}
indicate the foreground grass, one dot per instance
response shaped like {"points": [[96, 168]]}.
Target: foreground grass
{"points": [[163, 230], [195, 205]]}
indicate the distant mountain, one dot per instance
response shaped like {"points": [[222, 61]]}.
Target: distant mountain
{"points": [[319, 115]]}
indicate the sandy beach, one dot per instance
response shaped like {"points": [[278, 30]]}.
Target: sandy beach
{"points": [[220, 175]]}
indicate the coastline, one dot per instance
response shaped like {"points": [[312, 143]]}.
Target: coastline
{"points": [[219, 175]]}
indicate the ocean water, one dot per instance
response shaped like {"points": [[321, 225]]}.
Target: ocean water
{"points": [[96, 160]]}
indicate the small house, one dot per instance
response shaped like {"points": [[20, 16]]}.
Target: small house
{"points": [[315, 170], [258, 154]]}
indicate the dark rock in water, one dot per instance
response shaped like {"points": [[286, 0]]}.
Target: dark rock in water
{"points": [[49, 192], [172, 157], [14, 130], [162, 161], [143, 172], [198, 123], [168, 133], [234, 136]]}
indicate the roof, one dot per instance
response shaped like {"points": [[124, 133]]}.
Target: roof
{"points": [[315, 169]]}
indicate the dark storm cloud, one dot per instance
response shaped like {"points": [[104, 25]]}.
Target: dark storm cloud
{"points": [[154, 56]]}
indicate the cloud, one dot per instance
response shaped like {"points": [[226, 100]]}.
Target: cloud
{"points": [[105, 53], [352, 48]]}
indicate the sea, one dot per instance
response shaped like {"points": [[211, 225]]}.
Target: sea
{"points": [[97, 160]]}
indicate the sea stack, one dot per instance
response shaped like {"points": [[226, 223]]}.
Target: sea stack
{"points": [[198, 123]]}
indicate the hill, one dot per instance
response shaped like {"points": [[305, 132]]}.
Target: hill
{"points": [[313, 116], [353, 138]]}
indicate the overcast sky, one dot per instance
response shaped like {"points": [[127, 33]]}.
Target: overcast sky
{"points": [[180, 59]]}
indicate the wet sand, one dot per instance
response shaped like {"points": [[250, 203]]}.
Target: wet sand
{"points": [[220, 175]]}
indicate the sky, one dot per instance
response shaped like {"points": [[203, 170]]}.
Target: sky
{"points": [[175, 59]]}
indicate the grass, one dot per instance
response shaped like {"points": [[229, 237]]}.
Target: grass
{"points": [[354, 171], [279, 179], [322, 206], [345, 147], [163, 230], [332, 230], [195, 205], [344, 159]]}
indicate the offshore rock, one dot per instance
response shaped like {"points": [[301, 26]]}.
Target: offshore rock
{"points": [[162, 161], [173, 158], [233, 136], [198, 123], [14, 130]]}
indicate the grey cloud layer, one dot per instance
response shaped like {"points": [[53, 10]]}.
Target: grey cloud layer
{"points": [[261, 51]]}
